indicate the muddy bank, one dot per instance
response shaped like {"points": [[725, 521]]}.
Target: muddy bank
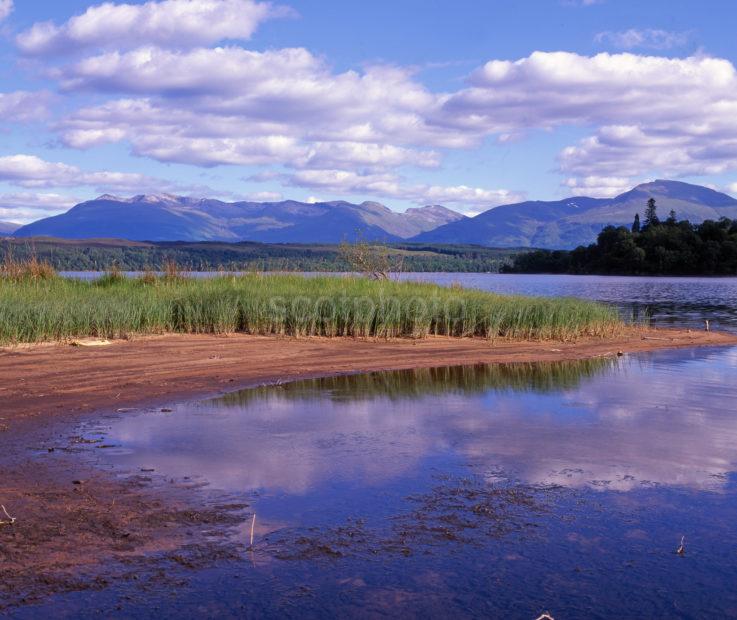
{"points": [[39, 380]]}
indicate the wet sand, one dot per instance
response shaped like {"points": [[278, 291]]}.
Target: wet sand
{"points": [[81, 528], [41, 380]]}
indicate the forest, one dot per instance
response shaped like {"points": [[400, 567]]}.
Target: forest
{"points": [[651, 247], [103, 255]]}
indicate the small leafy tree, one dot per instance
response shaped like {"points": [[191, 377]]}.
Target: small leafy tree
{"points": [[636, 224]]}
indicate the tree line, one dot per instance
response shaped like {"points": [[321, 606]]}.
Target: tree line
{"points": [[81, 255], [650, 247]]}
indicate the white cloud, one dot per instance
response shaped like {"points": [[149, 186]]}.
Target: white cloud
{"points": [[392, 186], [264, 196], [287, 92], [24, 207], [651, 38], [30, 171], [6, 8], [21, 106], [169, 23], [651, 115], [598, 187], [671, 115], [732, 189]]}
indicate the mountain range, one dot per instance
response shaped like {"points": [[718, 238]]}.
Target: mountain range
{"points": [[546, 224], [167, 218]]}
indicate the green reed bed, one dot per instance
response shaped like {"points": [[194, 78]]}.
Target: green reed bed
{"points": [[54, 308]]}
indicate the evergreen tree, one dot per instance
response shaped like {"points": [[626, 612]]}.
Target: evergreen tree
{"points": [[651, 213], [636, 224], [672, 217]]}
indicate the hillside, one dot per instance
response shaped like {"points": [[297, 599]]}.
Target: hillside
{"points": [[576, 221], [168, 218], [7, 228]]}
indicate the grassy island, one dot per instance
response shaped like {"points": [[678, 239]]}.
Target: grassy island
{"points": [[46, 307]]}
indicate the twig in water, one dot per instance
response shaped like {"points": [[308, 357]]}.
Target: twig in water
{"points": [[682, 549], [545, 616], [253, 524], [12, 519]]}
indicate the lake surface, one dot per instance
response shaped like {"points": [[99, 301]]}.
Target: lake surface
{"points": [[499, 491], [666, 301], [663, 301]]}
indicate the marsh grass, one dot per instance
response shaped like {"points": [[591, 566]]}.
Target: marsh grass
{"points": [[35, 309]]}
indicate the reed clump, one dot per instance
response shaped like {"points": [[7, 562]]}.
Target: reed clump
{"points": [[31, 269], [34, 309]]}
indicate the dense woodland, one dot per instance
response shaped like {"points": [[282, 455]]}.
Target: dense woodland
{"points": [[101, 255], [650, 247]]}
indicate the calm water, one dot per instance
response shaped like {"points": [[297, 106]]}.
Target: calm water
{"points": [[667, 301], [495, 492]]}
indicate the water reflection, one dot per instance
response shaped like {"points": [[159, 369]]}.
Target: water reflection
{"points": [[660, 419]]}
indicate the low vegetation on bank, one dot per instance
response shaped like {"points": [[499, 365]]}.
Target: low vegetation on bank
{"points": [[36, 305], [655, 247]]}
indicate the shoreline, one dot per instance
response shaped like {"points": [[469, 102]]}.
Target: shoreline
{"points": [[38, 380], [81, 528]]}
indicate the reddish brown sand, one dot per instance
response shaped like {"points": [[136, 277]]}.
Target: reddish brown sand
{"points": [[39, 380], [80, 528]]}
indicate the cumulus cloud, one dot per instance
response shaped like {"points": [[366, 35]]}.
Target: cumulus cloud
{"points": [[598, 187], [289, 92], [470, 200], [264, 196], [24, 207], [228, 105], [168, 23], [6, 8], [649, 38], [673, 115], [30, 171], [20, 106]]}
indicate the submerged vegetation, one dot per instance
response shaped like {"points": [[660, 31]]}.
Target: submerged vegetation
{"points": [[36, 305]]}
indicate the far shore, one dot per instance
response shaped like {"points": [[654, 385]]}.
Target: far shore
{"points": [[45, 379]]}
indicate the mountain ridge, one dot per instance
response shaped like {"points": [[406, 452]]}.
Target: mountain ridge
{"points": [[165, 217], [555, 224], [567, 223]]}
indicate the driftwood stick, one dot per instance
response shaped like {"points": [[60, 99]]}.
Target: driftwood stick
{"points": [[12, 519]]}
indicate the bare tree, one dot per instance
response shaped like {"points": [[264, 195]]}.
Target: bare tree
{"points": [[374, 260]]}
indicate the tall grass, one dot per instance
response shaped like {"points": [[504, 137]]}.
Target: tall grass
{"points": [[54, 308]]}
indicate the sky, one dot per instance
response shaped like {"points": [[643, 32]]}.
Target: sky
{"points": [[468, 104]]}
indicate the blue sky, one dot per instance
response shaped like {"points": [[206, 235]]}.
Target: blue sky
{"points": [[469, 104]]}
